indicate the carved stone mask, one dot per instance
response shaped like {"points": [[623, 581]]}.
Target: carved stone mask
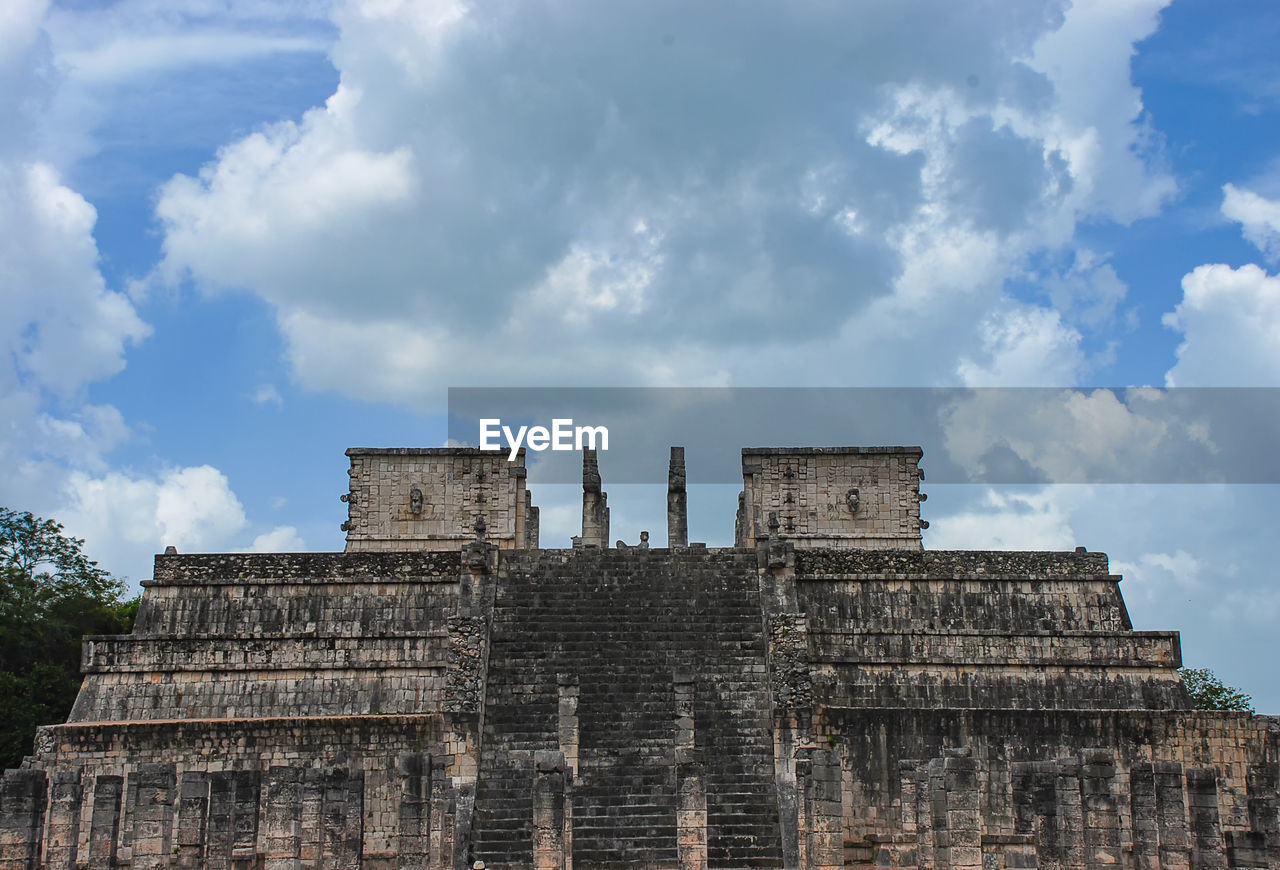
{"points": [[852, 500], [415, 500]]}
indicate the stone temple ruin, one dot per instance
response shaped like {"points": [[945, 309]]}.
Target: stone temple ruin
{"points": [[823, 694]]}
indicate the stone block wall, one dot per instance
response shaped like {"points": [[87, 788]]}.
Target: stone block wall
{"points": [[779, 706], [866, 497], [249, 595], [328, 792], [1000, 630], [428, 498], [260, 714], [240, 636], [1056, 788]]}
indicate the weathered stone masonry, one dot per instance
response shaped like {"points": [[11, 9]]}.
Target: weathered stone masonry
{"points": [[824, 694]]}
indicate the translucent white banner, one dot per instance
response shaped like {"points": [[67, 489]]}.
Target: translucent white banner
{"points": [[996, 435]]}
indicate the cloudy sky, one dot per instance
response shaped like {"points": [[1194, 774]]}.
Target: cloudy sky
{"points": [[238, 236]]}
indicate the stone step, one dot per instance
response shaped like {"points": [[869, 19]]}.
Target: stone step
{"points": [[623, 626]]}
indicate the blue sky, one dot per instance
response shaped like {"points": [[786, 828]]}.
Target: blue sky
{"points": [[238, 237]]}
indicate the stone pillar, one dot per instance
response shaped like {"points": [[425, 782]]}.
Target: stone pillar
{"points": [[443, 817], [908, 850], [907, 789], [128, 817], [931, 818], [1044, 803], [342, 809], [691, 809], [787, 660], [1206, 829], [1034, 843], [924, 852], [22, 804], [1070, 815], [677, 501], [381, 815], [193, 810], [790, 691], [821, 819], [459, 779], [219, 831], [567, 730], [282, 819], [823, 810], [550, 796], [947, 817], [1101, 809], [691, 789], [786, 777], [464, 717], [963, 849], [531, 521], [803, 768], [1171, 816], [1146, 831], [1023, 783], [311, 827], [248, 810], [153, 816], [413, 845], [104, 822], [517, 506], [63, 833], [595, 503], [1263, 788], [1260, 846], [997, 800], [232, 828]]}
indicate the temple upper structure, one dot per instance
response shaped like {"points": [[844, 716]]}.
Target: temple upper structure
{"points": [[825, 694], [864, 497], [428, 498]]}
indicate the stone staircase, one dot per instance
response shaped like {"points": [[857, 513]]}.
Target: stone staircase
{"points": [[616, 628]]}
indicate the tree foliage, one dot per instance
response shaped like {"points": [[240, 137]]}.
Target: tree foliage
{"points": [[1210, 693], [51, 595]]}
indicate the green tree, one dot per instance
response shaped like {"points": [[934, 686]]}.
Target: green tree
{"points": [[51, 595], [1210, 693]]}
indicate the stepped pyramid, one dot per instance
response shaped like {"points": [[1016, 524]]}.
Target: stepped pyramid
{"points": [[823, 694]]}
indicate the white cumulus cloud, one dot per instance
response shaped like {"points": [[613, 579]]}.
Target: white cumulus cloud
{"points": [[1154, 575], [1230, 317], [630, 182], [1024, 346], [1006, 521], [1230, 324], [63, 328], [126, 519], [1258, 216], [281, 539]]}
